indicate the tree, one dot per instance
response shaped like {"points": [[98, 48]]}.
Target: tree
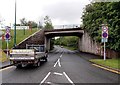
{"points": [[48, 23], [71, 41], [32, 23], [99, 13], [23, 22]]}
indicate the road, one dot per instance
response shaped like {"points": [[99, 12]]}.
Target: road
{"points": [[63, 67]]}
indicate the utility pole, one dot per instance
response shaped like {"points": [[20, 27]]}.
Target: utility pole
{"points": [[15, 27]]}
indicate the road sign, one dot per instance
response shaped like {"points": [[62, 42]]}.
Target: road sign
{"points": [[104, 28], [104, 31], [104, 40], [7, 36], [104, 37], [7, 29]]}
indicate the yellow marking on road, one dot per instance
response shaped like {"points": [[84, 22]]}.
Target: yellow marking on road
{"points": [[114, 71], [6, 68]]}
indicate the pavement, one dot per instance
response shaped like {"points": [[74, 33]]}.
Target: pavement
{"points": [[63, 67], [5, 64]]}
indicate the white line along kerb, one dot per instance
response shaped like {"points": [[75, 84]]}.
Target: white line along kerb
{"points": [[6, 68], [68, 78], [45, 77]]}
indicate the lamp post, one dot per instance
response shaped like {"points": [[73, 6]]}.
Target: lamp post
{"points": [[15, 27]]}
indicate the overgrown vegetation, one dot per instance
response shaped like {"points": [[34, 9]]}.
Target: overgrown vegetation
{"points": [[96, 14], [70, 41]]}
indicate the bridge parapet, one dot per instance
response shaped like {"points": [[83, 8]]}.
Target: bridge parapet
{"points": [[68, 26]]}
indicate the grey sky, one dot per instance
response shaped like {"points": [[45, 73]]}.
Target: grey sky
{"points": [[60, 11]]}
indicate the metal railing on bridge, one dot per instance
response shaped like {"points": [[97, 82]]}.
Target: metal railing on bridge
{"points": [[67, 26]]}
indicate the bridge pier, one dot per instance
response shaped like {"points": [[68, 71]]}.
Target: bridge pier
{"points": [[47, 44]]}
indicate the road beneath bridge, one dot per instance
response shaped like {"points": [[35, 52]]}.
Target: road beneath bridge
{"points": [[63, 67]]}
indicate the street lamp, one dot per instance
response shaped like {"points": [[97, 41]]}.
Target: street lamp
{"points": [[15, 27]]}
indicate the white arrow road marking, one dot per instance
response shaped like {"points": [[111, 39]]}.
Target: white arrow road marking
{"points": [[60, 56], [68, 78], [58, 62], [58, 73], [45, 78], [55, 63]]}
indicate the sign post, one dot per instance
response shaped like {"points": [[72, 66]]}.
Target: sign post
{"points": [[7, 37], [7, 47], [104, 37]]}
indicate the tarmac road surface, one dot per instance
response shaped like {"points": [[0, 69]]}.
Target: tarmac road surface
{"points": [[63, 67]]}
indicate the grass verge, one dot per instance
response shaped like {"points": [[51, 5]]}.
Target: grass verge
{"points": [[19, 37], [113, 63], [3, 57]]}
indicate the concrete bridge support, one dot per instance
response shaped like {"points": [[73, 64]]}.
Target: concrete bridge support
{"points": [[87, 44], [47, 44]]}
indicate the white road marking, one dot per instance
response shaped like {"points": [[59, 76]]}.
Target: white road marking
{"points": [[48, 82], [45, 77], [58, 73], [6, 68], [55, 63], [60, 56], [68, 78], [59, 63]]}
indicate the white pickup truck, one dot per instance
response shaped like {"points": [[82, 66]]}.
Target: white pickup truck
{"points": [[33, 54]]}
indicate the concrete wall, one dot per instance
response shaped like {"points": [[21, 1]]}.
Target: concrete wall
{"points": [[87, 44], [47, 44]]}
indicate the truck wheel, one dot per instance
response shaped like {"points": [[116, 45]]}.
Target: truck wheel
{"points": [[46, 59], [11, 62], [37, 64], [19, 66]]}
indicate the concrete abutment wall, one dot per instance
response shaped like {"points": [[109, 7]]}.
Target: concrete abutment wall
{"points": [[37, 38], [88, 45]]}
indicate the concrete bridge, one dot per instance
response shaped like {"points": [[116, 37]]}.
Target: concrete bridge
{"points": [[61, 32], [86, 43]]}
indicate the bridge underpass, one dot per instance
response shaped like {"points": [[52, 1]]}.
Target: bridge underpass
{"points": [[86, 43], [49, 34]]}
